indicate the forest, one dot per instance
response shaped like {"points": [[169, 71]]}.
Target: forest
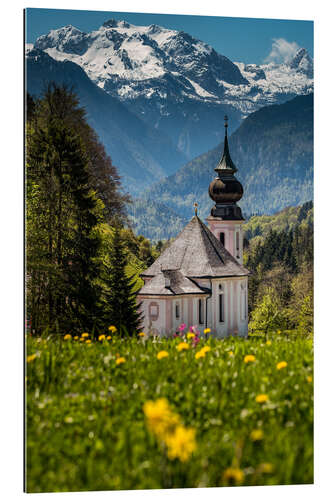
{"points": [[82, 259]]}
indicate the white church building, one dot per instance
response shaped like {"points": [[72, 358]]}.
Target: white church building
{"points": [[199, 279]]}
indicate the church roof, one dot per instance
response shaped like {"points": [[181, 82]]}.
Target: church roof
{"points": [[171, 282], [196, 253]]}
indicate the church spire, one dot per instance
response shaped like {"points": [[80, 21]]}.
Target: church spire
{"points": [[226, 164]]}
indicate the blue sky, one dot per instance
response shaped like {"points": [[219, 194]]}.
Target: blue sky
{"points": [[240, 39]]}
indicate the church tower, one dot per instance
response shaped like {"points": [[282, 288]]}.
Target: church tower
{"points": [[226, 217]]}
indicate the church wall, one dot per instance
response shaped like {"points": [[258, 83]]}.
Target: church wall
{"points": [[235, 310], [235, 322]]}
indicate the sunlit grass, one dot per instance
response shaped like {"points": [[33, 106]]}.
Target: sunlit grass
{"points": [[243, 422]]}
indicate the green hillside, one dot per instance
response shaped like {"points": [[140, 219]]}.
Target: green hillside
{"points": [[273, 151]]}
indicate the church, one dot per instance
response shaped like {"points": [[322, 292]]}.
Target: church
{"points": [[200, 279]]}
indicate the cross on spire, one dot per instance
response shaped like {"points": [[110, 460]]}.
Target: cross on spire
{"points": [[195, 208]]}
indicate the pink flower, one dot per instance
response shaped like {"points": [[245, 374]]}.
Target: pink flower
{"points": [[182, 327], [193, 329]]}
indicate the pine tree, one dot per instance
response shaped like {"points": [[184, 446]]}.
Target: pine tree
{"points": [[119, 300]]}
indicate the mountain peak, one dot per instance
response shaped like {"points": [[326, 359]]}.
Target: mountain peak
{"points": [[113, 23], [302, 62]]}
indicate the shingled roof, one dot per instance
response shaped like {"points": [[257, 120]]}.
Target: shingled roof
{"points": [[171, 283], [197, 253]]}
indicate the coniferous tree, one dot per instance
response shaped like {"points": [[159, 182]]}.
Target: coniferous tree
{"points": [[119, 300]]}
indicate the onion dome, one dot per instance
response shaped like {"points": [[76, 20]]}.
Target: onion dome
{"points": [[225, 189]]}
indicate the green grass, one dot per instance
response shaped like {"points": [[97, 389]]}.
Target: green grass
{"points": [[86, 428]]}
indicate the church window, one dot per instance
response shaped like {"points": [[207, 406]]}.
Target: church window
{"points": [[221, 306], [222, 238], [237, 244], [177, 311], [200, 311]]}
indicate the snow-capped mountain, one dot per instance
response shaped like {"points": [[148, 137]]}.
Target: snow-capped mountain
{"points": [[176, 84], [141, 154], [124, 60]]}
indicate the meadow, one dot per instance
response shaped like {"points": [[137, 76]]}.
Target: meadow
{"points": [[140, 413]]}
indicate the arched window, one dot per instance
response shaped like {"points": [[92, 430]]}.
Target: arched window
{"points": [[237, 245], [177, 313], [222, 238], [243, 302], [200, 312], [221, 304]]}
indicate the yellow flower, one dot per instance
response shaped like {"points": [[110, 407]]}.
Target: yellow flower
{"points": [[256, 435], [120, 360], [190, 335], [233, 475], [206, 348], [101, 337], [108, 337], [249, 358], [67, 337], [160, 418], [266, 468], [181, 443], [182, 346], [141, 334], [162, 354], [279, 332], [268, 342], [76, 337], [85, 335], [206, 330], [112, 328], [261, 398], [88, 341], [281, 365], [230, 353], [200, 354], [309, 379], [82, 339], [31, 357]]}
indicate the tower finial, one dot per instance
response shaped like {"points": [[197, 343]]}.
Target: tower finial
{"points": [[226, 123], [195, 208]]}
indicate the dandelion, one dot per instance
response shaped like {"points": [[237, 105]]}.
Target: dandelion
{"points": [[108, 337], [190, 335], [261, 398], [85, 335], [67, 337], [181, 444], [256, 435], [161, 420], [230, 353], [112, 329], [233, 475], [120, 360], [281, 364], [249, 358], [200, 354], [182, 346], [206, 348], [82, 339], [88, 341], [31, 358], [162, 354], [141, 334], [265, 468], [206, 330], [101, 337], [76, 337], [309, 379], [269, 342]]}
